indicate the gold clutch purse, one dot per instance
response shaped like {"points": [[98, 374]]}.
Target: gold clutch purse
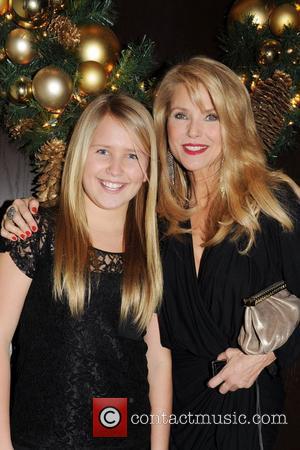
{"points": [[271, 316]]}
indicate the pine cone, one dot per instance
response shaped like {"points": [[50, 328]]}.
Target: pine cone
{"points": [[49, 161], [67, 34], [18, 129], [270, 103]]}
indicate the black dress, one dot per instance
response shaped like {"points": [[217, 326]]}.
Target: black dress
{"points": [[59, 363], [202, 316]]}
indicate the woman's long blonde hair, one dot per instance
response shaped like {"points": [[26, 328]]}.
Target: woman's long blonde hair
{"points": [[249, 187], [142, 279]]}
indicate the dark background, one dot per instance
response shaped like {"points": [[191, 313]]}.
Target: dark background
{"points": [[180, 28]]}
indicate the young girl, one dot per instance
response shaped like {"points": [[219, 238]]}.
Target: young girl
{"points": [[81, 294]]}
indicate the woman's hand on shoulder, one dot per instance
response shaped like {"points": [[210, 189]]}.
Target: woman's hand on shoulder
{"points": [[23, 224], [240, 371]]}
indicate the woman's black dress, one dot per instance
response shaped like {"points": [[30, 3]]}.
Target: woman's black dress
{"points": [[202, 316], [59, 363]]}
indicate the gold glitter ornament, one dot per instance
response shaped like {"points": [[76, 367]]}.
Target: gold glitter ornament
{"points": [[22, 126], [282, 16], [92, 77], [49, 161], [52, 88], [21, 90], [20, 46], [67, 34], [269, 52]]}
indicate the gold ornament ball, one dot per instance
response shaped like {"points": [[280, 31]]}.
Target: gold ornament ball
{"points": [[4, 7], [243, 8], [19, 46], [92, 77], [284, 15], [52, 88], [31, 13], [269, 52], [21, 90], [99, 44]]}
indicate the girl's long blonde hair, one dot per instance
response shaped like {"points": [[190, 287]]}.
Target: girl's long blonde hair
{"points": [[249, 186], [142, 279]]}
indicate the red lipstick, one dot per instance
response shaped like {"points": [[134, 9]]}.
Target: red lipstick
{"points": [[194, 149]]}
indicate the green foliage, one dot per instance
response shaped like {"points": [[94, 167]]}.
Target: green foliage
{"points": [[82, 12], [131, 75], [135, 63], [240, 46]]}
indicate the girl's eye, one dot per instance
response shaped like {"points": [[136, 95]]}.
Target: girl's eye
{"points": [[212, 117], [132, 156], [102, 151], [180, 116]]}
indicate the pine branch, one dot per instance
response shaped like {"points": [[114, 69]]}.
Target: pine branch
{"points": [[92, 11], [135, 65], [64, 59], [5, 27], [242, 57]]}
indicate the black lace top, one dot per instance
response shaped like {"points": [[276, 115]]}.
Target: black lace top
{"points": [[59, 363]]}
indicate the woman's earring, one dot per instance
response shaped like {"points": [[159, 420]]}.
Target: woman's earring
{"points": [[222, 187], [171, 167]]}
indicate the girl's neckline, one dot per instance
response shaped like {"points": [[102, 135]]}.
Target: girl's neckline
{"points": [[107, 252]]}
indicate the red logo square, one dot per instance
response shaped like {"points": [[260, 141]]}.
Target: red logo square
{"points": [[109, 417]]}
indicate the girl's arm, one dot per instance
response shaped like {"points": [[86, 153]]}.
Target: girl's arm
{"points": [[14, 286], [160, 381]]}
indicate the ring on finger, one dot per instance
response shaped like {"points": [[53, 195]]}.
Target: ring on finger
{"points": [[11, 212]]}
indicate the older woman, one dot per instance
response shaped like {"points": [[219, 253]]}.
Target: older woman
{"points": [[233, 229]]}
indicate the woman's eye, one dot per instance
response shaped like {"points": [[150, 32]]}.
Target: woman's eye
{"points": [[132, 156], [212, 117], [180, 115], [102, 151]]}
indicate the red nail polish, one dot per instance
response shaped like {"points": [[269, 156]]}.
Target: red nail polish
{"points": [[14, 238], [34, 228], [23, 236], [28, 233], [33, 209]]}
